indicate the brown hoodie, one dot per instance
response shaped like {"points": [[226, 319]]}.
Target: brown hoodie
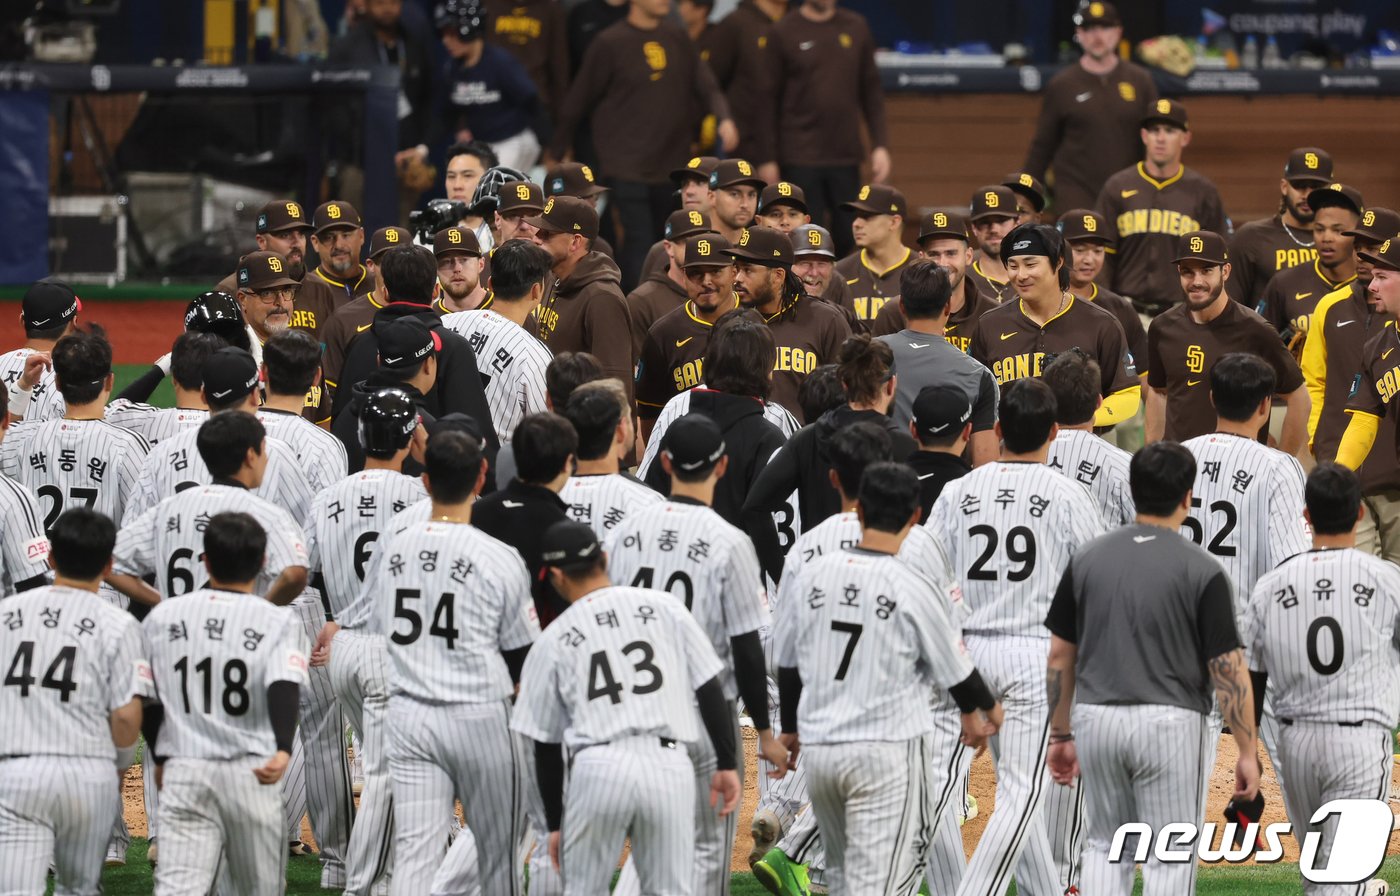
{"points": [[586, 312]]}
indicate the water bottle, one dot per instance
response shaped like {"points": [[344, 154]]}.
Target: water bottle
{"points": [[1249, 57], [1272, 57]]}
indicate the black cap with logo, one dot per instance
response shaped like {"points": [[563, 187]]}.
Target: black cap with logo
{"points": [[404, 342], [568, 544], [48, 304], [939, 412], [229, 374], [694, 443]]}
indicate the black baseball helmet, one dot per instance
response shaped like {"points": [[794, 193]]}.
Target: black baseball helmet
{"points": [[218, 313], [465, 18], [387, 422], [484, 200]]}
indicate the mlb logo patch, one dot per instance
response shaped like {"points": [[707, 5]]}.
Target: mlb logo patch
{"points": [[557, 186]]}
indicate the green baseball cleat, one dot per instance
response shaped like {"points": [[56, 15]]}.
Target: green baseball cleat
{"points": [[782, 876]]}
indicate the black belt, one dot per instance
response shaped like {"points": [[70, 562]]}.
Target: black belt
{"points": [[670, 742], [1342, 724]]}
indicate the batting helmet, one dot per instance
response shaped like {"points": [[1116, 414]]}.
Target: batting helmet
{"points": [[464, 18], [387, 422], [218, 313], [484, 200]]}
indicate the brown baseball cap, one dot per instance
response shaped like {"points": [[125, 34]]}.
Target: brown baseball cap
{"points": [[782, 193], [454, 240], [698, 168], [333, 214], [1166, 111], [685, 223], [386, 238], [878, 199], [1029, 186], [519, 196], [1201, 245], [765, 246], [282, 214], [708, 250], [1308, 163], [573, 179], [992, 201], [566, 214], [812, 239], [1387, 254], [951, 225], [1376, 224], [1096, 12], [1084, 225], [1336, 196], [263, 270], [734, 173]]}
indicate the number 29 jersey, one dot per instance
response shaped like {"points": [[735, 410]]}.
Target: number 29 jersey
{"points": [[620, 662]]}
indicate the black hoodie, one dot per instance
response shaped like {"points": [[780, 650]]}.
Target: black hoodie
{"points": [[749, 440], [804, 461], [346, 425]]}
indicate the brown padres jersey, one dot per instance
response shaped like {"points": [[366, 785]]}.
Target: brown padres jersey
{"points": [[1146, 216], [1379, 380], [808, 333], [986, 285], [1292, 295], [871, 289], [961, 323], [1014, 347], [1181, 352], [1259, 250], [672, 358], [1128, 319], [654, 298]]}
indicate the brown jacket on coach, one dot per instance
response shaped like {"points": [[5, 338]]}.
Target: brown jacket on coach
{"points": [[586, 312]]}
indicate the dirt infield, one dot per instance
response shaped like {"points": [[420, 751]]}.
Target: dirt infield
{"points": [[139, 331]]}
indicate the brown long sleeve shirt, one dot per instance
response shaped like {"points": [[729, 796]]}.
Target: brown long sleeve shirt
{"points": [[534, 32], [737, 50]]}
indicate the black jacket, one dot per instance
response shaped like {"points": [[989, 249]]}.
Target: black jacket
{"points": [[346, 425], [749, 441], [935, 470], [518, 515], [804, 461], [418, 79]]}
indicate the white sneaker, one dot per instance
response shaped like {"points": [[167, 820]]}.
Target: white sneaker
{"points": [[1377, 887], [766, 829], [115, 856]]}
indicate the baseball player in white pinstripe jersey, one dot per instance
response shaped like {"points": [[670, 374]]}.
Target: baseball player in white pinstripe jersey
{"points": [[1247, 506], [863, 719], [1010, 527], [24, 548], [230, 386], [615, 682], [347, 521], [1093, 462], [455, 604], [512, 359], [48, 311], [851, 451], [227, 666], [1322, 629], [76, 675], [185, 366], [682, 546], [598, 493]]}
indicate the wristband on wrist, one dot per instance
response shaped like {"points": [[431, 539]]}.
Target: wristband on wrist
{"points": [[1061, 738], [19, 400]]}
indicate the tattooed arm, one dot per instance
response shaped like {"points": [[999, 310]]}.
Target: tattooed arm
{"points": [[1235, 693], [1063, 758]]}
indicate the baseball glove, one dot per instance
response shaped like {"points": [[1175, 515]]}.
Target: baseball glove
{"points": [[1296, 343], [1243, 814], [416, 175]]}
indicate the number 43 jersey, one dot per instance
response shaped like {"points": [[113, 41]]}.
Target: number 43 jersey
{"points": [[214, 654], [620, 662], [450, 600]]}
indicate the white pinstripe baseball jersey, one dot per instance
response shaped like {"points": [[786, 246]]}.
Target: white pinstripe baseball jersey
{"points": [[870, 640], [451, 599], [362, 612], [46, 403], [320, 455], [1009, 529], [151, 423], [688, 550], [24, 548], [75, 463], [346, 522], [175, 464], [213, 655], [604, 500], [1100, 467], [620, 662], [1246, 508], [679, 406], [512, 361], [168, 539], [70, 659], [1323, 626]]}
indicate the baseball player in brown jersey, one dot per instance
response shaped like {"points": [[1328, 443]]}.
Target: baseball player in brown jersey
{"points": [[459, 263], [576, 179], [266, 294], [516, 201], [338, 239], [808, 333], [672, 354], [1263, 248], [814, 263], [282, 226], [782, 206], [734, 187], [1014, 338], [1086, 234], [1292, 295], [1378, 383], [381, 241], [1184, 342], [1031, 196], [663, 290], [1333, 357], [993, 215], [693, 187], [943, 240], [1152, 203], [872, 273]]}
